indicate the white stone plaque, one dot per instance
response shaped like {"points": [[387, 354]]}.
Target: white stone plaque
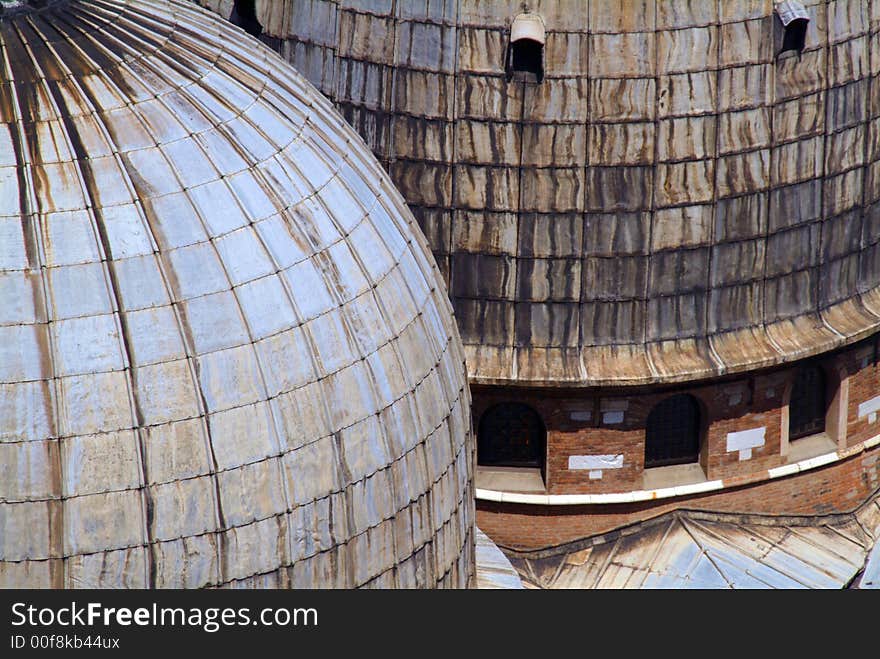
{"points": [[745, 440], [869, 407], [594, 462]]}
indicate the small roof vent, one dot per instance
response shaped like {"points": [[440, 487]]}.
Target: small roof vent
{"points": [[525, 53], [794, 19], [527, 26]]}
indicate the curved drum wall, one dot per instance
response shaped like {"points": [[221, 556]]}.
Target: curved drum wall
{"points": [[226, 354], [674, 201], [598, 475]]}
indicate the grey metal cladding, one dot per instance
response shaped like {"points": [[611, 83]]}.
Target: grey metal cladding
{"points": [[227, 357], [677, 112]]}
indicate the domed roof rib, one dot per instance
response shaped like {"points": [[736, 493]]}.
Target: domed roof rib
{"points": [[29, 82], [85, 100], [27, 202]]}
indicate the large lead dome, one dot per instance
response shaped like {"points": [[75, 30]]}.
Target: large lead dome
{"points": [[674, 199], [226, 355]]}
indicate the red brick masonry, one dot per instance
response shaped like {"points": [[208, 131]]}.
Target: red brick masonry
{"points": [[774, 480], [835, 488]]}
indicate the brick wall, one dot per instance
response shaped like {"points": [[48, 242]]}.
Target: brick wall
{"points": [[591, 422], [864, 384], [578, 421], [837, 488], [740, 406]]}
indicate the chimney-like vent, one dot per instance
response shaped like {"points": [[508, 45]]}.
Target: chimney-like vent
{"points": [[794, 19], [525, 53]]}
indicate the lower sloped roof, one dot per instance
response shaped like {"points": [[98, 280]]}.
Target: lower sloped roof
{"points": [[691, 549]]}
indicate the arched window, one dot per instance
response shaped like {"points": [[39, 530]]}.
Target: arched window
{"points": [[525, 53], [511, 435], [806, 407], [672, 435]]}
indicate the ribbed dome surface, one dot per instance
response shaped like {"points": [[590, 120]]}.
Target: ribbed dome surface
{"points": [[675, 200], [226, 354]]}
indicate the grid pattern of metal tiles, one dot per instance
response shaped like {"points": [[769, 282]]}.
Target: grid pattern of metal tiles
{"points": [[708, 551], [673, 201], [226, 353]]}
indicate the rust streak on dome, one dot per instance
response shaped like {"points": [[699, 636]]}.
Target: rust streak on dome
{"points": [[677, 200], [226, 353]]}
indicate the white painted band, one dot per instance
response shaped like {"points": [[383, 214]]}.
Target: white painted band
{"points": [[665, 492]]}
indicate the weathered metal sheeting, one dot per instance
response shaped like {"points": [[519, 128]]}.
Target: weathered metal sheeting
{"points": [[226, 354], [870, 579], [673, 201], [494, 571], [706, 551], [869, 517]]}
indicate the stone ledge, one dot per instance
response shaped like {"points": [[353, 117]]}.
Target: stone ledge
{"points": [[679, 490]]}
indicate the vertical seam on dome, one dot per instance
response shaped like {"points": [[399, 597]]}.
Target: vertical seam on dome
{"points": [[185, 333], [821, 266], [516, 262], [320, 376], [470, 440], [713, 206], [769, 206], [28, 205], [221, 127], [869, 84], [817, 248], [867, 78], [390, 100], [291, 300], [96, 216], [762, 298], [652, 216], [337, 36], [449, 207], [257, 360], [584, 42], [392, 119]]}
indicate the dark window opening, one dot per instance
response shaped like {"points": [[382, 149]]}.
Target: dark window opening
{"points": [[244, 15], [795, 35], [672, 433], [511, 435], [525, 50], [794, 19], [527, 56], [806, 407]]}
